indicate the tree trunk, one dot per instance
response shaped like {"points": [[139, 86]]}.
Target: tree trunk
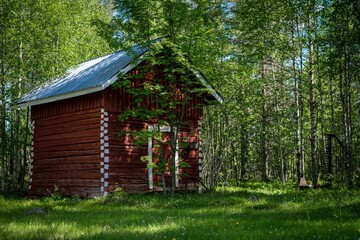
{"points": [[3, 129], [16, 133], [244, 152], [264, 120], [24, 157], [3, 94], [311, 29], [299, 107], [280, 148], [312, 103], [173, 167], [347, 118], [322, 117], [357, 9]]}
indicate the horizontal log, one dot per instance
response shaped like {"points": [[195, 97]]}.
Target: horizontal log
{"points": [[125, 159], [141, 187], [73, 147], [83, 125], [127, 148], [64, 153], [135, 155], [68, 160], [68, 117], [121, 146], [65, 167], [116, 129], [127, 171], [66, 142], [116, 140], [80, 174], [75, 118], [122, 180], [51, 183], [93, 133], [114, 118], [85, 192], [138, 164]]}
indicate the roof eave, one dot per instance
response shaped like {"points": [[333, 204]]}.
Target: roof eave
{"points": [[110, 81], [210, 88], [60, 97]]}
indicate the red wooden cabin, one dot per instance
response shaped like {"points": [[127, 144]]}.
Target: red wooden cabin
{"points": [[75, 125]]}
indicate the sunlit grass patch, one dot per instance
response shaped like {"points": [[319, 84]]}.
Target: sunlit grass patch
{"points": [[250, 211]]}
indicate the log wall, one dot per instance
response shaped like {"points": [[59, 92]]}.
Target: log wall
{"points": [[128, 171], [66, 147], [77, 147]]}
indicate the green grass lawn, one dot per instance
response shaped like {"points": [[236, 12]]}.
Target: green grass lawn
{"points": [[251, 211]]}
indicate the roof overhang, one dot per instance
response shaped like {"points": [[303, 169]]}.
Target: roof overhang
{"points": [[60, 97], [206, 84], [82, 92], [124, 69]]}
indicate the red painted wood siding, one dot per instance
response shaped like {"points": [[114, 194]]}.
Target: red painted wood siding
{"points": [[118, 100], [66, 150], [126, 170], [75, 104]]}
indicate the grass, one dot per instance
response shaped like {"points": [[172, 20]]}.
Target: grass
{"points": [[251, 211]]}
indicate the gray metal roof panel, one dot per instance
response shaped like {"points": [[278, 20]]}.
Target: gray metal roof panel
{"points": [[90, 74]]}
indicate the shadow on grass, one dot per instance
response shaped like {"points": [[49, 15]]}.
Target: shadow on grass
{"points": [[238, 214]]}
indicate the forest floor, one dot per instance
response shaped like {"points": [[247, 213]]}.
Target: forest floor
{"points": [[249, 211]]}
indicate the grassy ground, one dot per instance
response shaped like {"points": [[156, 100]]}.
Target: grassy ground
{"points": [[251, 211]]}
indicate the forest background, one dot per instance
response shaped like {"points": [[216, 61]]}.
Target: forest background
{"points": [[287, 69]]}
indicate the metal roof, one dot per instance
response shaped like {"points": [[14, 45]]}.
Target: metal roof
{"points": [[93, 76]]}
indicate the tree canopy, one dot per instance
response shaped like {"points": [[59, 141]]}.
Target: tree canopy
{"points": [[39, 40], [288, 71]]}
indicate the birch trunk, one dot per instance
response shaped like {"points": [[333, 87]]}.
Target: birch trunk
{"points": [[312, 103], [264, 120]]}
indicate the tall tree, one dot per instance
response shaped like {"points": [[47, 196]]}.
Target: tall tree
{"points": [[297, 44], [188, 25], [37, 45]]}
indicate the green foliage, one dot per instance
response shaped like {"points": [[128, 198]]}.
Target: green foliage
{"points": [[265, 68], [160, 91], [116, 197], [55, 194], [39, 40], [250, 211], [256, 53]]}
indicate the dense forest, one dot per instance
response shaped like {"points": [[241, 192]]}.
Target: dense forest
{"points": [[288, 70]]}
